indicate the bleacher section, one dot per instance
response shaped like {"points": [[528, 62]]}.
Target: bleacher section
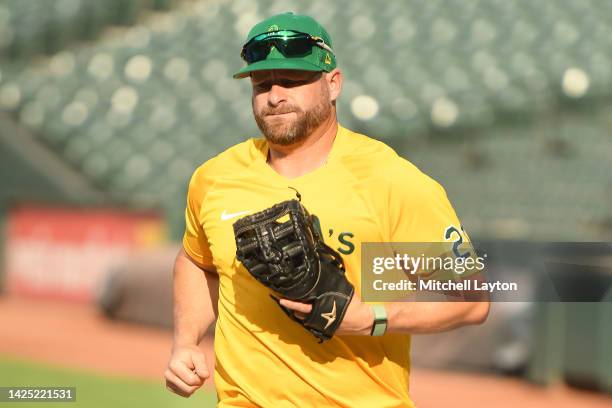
{"points": [[548, 180], [42, 26], [436, 79]]}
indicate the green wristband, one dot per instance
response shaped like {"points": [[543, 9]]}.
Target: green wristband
{"points": [[380, 320]]}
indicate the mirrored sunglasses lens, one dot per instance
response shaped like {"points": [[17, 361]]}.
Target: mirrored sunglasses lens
{"points": [[295, 47], [257, 51]]}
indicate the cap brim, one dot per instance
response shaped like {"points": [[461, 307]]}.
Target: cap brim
{"points": [[296, 64]]}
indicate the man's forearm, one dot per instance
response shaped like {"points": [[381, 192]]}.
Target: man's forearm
{"points": [[433, 317], [196, 293]]}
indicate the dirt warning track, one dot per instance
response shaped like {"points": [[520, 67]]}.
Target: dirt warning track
{"points": [[78, 336]]}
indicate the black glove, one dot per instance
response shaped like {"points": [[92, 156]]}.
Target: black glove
{"points": [[283, 248]]}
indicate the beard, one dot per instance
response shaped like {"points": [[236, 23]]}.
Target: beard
{"points": [[287, 132]]}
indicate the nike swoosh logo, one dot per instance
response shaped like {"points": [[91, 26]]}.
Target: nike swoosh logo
{"points": [[330, 317], [228, 216]]}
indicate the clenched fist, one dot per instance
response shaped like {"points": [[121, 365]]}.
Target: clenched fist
{"points": [[187, 370]]}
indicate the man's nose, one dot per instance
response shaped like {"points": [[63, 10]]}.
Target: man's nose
{"points": [[276, 95]]}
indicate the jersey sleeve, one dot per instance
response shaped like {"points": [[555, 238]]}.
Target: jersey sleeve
{"points": [[195, 241], [419, 209], [420, 213]]}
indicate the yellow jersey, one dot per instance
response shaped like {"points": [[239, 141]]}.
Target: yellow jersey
{"points": [[365, 192]]}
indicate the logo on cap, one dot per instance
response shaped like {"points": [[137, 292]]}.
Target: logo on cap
{"points": [[273, 27], [327, 58]]}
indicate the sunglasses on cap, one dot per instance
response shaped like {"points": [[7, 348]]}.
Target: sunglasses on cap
{"points": [[289, 43]]}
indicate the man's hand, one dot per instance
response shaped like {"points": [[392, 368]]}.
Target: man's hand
{"points": [[187, 370], [358, 318]]}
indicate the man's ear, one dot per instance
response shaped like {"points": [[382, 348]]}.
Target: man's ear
{"points": [[334, 83]]}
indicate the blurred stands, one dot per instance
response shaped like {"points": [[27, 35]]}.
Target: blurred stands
{"points": [[477, 93], [42, 26]]}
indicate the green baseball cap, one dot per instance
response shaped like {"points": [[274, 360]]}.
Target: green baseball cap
{"points": [[318, 60]]}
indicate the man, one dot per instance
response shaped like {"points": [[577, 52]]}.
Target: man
{"points": [[360, 189]]}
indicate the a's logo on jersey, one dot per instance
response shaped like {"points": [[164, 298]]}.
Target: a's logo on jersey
{"points": [[346, 246], [228, 216], [273, 27], [330, 317], [453, 234]]}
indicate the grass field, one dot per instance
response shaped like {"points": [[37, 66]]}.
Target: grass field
{"points": [[94, 390]]}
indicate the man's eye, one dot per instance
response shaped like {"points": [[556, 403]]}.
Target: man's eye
{"points": [[288, 83], [262, 86], [285, 83]]}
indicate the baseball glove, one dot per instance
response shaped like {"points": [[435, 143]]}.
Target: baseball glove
{"points": [[283, 248]]}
